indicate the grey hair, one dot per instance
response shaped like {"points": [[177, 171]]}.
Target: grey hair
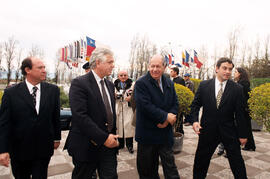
{"points": [[164, 62], [99, 54]]}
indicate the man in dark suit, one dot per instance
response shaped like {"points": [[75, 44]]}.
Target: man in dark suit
{"points": [[156, 109], [92, 142], [222, 120], [175, 75], [29, 123]]}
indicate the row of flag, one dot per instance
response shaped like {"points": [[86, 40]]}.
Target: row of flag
{"points": [[185, 60], [77, 51]]}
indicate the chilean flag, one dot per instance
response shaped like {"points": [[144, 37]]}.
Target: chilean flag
{"points": [[196, 60], [91, 45]]}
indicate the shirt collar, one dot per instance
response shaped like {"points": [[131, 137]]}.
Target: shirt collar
{"points": [[30, 86], [217, 83]]}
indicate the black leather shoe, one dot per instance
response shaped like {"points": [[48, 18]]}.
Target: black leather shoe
{"points": [[130, 150], [220, 152], [248, 149]]}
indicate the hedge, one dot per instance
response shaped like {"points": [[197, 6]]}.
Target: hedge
{"points": [[196, 83], [64, 100], [258, 81], [259, 105], [1, 94]]}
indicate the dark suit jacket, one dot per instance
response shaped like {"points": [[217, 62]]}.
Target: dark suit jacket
{"points": [[179, 80], [25, 134], [89, 120], [228, 119], [152, 107]]}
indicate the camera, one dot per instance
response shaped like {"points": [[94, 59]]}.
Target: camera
{"points": [[129, 92], [119, 94]]}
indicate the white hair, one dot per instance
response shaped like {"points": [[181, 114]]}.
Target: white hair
{"points": [[99, 54]]}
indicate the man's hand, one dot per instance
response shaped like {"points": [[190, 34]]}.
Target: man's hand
{"points": [[4, 159], [128, 98], [243, 141], [111, 141], [163, 125], [196, 127], [171, 118], [56, 144]]}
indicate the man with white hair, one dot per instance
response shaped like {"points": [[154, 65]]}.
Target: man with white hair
{"points": [[92, 141]]}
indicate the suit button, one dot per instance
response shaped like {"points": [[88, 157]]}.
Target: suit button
{"points": [[106, 124]]}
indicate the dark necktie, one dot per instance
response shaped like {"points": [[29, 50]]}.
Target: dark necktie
{"points": [[107, 106], [34, 95], [219, 95]]}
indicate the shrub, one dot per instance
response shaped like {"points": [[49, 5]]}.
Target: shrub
{"points": [[258, 81], [64, 100], [196, 83], [259, 105], [185, 98], [1, 94]]}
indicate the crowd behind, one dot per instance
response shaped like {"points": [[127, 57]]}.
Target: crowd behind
{"points": [[107, 116]]}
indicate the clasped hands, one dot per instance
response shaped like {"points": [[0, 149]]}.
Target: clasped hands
{"points": [[171, 119]]}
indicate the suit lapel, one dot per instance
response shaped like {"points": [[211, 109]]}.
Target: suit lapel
{"points": [[212, 92], [43, 95], [225, 93], [110, 92], [25, 94]]}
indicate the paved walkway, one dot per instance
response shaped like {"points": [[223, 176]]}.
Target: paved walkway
{"points": [[257, 163]]}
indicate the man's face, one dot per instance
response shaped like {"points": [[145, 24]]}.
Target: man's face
{"points": [[122, 76], [38, 73], [224, 72], [156, 67], [173, 74], [186, 78], [105, 68]]}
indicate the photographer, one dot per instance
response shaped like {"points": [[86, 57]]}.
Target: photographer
{"points": [[125, 130]]}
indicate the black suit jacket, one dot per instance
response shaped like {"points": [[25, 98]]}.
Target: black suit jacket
{"points": [[89, 120], [228, 119], [179, 80], [25, 134]]}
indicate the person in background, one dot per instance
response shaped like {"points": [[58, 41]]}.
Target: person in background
{"points": [[222, 121], [241, 77], [156, 109], [190, 85], [29, 122], [92, 140], [124, 112], [86, 67], [175, 76]]}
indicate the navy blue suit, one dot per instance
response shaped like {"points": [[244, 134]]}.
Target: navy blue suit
{"points": [[152, 108]]}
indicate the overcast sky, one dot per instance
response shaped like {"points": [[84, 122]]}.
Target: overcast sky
{"points": [[51, 24]]}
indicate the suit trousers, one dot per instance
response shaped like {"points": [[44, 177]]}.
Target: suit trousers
{"points": [[106, 165], [129, 142], [148, 161], [206, 147], [38, 169]]}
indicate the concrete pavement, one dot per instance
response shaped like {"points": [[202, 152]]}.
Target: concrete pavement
{"points": [[257, 163]]}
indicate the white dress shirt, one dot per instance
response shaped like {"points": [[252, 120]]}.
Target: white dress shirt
{"points": [[217, 86], [100, 88], [30, 88]]}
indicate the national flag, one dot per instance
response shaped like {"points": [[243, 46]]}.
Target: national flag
{"points": [[81, 49], [78, 50], [62, 54], [167, 59], [183, 58], [196, 60], [170, 59], [178, 64], [192, 60], [91, 45]]}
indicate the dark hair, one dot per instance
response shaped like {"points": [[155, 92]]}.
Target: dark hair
{"points": [[27, 62], [243, 74], [176, 69], [224, 60]]}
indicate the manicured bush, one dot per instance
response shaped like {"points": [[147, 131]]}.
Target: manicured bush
{"points": [[259, 105], [64, 100], [258, 81], [196, 83], [1, 94], [185, 98]]}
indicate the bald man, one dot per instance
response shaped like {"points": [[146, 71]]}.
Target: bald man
{"points": [[157, 106], [29, 123], [124, 113]]}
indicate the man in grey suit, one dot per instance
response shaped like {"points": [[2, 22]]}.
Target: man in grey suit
{"points": [[92, 142]]}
